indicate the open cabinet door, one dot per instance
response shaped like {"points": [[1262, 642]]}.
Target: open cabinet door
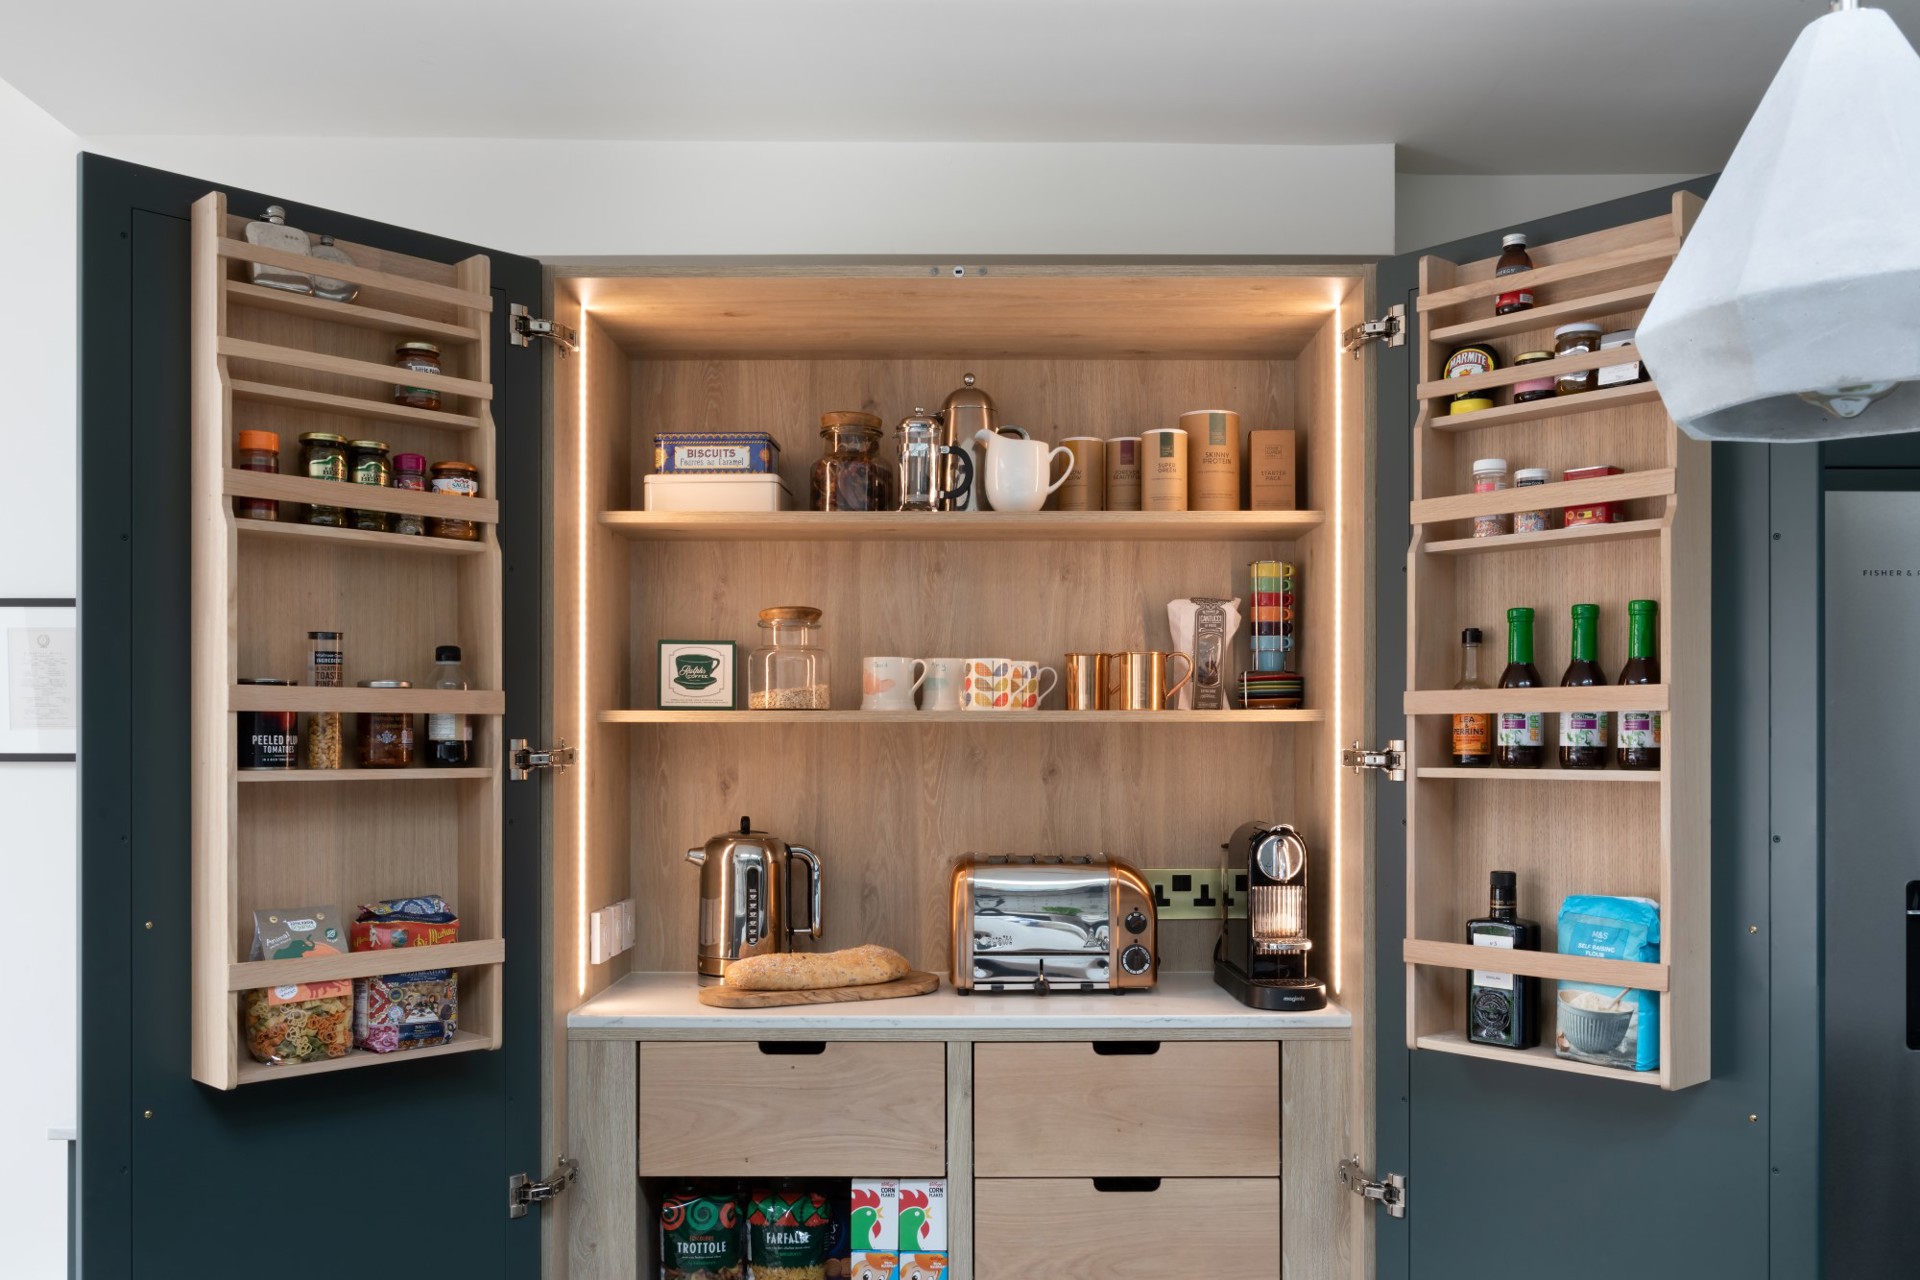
{"points": [[1528, 1164], [192, 1159]]}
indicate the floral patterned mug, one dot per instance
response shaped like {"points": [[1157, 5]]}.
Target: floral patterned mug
{"points": [[1005, 684]]}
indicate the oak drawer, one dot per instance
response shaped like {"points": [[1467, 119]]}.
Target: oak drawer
{"points": [[832, 1109], [1124, 1229], [1119, 1108]]}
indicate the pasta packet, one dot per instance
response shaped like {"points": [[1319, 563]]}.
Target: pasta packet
{"points": [[304, 1021]]}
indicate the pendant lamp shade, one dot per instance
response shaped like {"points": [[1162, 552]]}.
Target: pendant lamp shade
{"points": [[1801, 276]]}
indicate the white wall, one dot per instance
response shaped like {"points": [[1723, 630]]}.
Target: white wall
{"points": [[38, 832], [1433, 208], [559, 198]]}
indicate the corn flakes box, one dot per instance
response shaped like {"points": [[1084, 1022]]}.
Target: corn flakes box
{"points": [[920, 1228], [872, 1227]]}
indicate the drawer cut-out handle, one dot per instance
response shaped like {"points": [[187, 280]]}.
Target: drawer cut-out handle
{"points": [[793, 1048], [1126, 1185], [1126, 1048]]}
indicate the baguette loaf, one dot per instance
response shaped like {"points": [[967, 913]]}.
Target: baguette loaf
{"points": [[806, 971]]}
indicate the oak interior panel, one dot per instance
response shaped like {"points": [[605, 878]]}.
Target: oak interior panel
{"points": [[1026, 1227], [854, 1109], [1188, 1109]]}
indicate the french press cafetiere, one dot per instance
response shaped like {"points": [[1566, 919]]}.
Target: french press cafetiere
{"points": [[925, 459]]}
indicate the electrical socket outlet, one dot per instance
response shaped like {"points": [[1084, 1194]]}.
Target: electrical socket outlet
{"points": [[1236, 895], [1185, 893]]}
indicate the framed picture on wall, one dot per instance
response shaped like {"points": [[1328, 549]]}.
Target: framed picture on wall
{"points": [[39, 680]]}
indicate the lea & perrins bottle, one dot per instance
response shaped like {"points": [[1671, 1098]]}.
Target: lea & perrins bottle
{"points": [[1638, 743], [1472, 730], [1583, 734], [1520, 736]]}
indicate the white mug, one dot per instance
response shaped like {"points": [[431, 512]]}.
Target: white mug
{"points": [[1017, 471], [888, 684], [941, 689]]}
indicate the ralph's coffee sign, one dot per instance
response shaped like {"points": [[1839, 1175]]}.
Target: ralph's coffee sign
{"points": [[696, 674]]}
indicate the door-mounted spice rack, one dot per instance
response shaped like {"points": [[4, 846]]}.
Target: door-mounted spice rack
{"points": [[286, 362], [1560, 834]]}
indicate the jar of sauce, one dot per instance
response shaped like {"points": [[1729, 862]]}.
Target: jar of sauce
{"points": [[1582, 338], [386, 737], [1533, 388], [455, 480], [409, 473], [257, 451], [417, 357], [324, 457], [1513, 260], [369, 464], [1490, 476]]}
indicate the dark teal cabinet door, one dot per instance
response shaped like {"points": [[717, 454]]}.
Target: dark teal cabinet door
{"points": [[1521, 1172], [399, 1169]]}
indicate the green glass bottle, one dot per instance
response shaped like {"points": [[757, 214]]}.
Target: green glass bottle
{"points": [[1638, 746], [1520, 739], [1583, 734]]}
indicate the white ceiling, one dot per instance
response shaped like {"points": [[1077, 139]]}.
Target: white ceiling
{"points": [[1463, 86]]}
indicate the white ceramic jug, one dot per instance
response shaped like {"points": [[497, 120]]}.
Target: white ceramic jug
{"points": [[1017, 471]]}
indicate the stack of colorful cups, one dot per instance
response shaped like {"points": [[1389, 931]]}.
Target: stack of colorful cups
{"points": [[1274, 683]]}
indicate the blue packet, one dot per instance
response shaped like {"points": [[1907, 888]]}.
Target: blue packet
{"points": [[1599, 1024]]}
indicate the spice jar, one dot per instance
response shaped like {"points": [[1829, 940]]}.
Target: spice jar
{"points": [[455, 480], [257, 451], [417, 357], [1490, 476], [369, 465], [409, 473], [267, 739], [1531, 521], [852, 475], [1572, 340], [1533, 388], [324, 457], [326, 669], [788, 672], [386, 737]]}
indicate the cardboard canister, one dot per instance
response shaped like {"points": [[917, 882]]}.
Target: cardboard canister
{"points": [[1123, 473], [1213, 459], [1163, 469], [1086, 485]]}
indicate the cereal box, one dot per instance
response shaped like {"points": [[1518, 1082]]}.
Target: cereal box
{"points": [[920, 1236], [872, 1227]]}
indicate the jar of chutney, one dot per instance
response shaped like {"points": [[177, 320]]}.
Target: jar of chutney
{"points": [[386, 737], [1573, 340], [409, 473], [369, 464], [324, 457], [417, 357], [257, 451], [454, 480]]}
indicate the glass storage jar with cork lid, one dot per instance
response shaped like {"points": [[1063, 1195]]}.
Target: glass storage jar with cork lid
{"points": [[788, 672]]}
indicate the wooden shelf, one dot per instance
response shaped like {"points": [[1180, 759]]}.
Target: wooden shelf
{"points": [[1591, 306], [357, 538], [358, 370], [1654, 483], [1541, 1056], [962, 526], [1448, 388], [245, 390], [1649, 253], [1550, 965], [354, 273], [1169, 718], [1604, 697], [1447, 773], [1619, 531], [247, 975], [251, 1072], [300, 697], [307, 307], [366, 497], [362, 775], [1506, 415]]}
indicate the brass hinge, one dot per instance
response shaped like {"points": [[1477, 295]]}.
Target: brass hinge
{"points": [[1390, 1192], [523, 328], [522, 760], [1390, 328], [523, 1192], [1390, 760]]}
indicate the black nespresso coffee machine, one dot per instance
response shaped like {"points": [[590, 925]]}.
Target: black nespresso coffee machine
{"points": [[1262, 957]]}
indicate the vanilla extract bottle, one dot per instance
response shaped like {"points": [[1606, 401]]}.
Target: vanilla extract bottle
{"points": [[1501, 1006], [1583, 734]]}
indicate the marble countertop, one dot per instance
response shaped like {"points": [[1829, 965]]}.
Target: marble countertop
{"points": [[1183, 1001]]}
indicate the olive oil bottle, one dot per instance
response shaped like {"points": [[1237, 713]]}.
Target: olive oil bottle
{"points": [[1521, 734], [1501, 1007], [1638, 745], [1583, 734]]}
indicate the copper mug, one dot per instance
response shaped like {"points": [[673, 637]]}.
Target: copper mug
{"points": [[1086, 681], [1140, 679]]}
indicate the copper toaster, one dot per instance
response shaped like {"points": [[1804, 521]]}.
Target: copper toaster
{"points": [[1039, 924]]}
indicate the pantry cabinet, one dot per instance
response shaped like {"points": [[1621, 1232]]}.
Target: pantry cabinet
{"points": [[1059, 1128]]}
